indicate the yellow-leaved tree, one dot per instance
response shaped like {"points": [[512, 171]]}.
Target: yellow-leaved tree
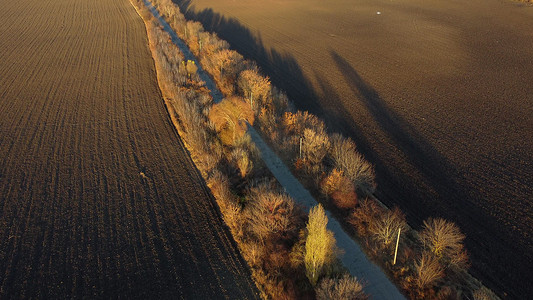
{"points": [[320, 246]]}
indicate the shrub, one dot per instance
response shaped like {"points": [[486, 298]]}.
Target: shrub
{"points": [[218, 183], [242, 161], [231, 118], [271, 216], [385, 228], [484, 293], [319, 245], [344, 154], [253, 252], [366, 213], [445, 241], [344, 288], [297, 255], [340, 189], [428, 271], [191, 68]]}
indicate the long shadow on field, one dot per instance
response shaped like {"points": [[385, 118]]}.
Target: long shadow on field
{"points": [[449, 197], [283, 70], [420, 153]]}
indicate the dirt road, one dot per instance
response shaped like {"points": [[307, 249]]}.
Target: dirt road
{"points": [[437, 94], [98, 198]]}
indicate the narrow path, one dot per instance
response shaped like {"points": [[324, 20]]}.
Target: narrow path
{"points": [[377, 284], [215, 92]]}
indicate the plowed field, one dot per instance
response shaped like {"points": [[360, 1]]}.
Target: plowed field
{"points": [[98, 197], [438, 94]]}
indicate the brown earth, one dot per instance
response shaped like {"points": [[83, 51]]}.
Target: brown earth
{"points": [[437, 94], [98, 197]]}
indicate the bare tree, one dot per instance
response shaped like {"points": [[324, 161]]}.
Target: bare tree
{"points": [[345, 156], [315, 146], [192, 30], [255, 87], [445, 241], [271, 215], [226, 62], [344, 288], [210, 43], [231, 117], [428, 270], [385, 228], [296, 123], [364, 215], [340, 189]]}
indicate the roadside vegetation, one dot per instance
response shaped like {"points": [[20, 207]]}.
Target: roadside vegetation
{"points": [[291, 253]]}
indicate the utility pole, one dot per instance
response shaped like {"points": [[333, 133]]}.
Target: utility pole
{"points": [[301, 139], [397, 242]]}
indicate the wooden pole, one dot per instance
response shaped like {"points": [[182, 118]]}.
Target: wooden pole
{"points": [[301, 147], [397, 242]]}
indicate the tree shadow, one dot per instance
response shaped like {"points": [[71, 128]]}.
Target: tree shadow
{"points": [[283, 69], [444, 193], [419, 152], [452, 195]]}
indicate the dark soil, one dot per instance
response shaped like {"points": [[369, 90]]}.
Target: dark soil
{"points": [[98, 196]]}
